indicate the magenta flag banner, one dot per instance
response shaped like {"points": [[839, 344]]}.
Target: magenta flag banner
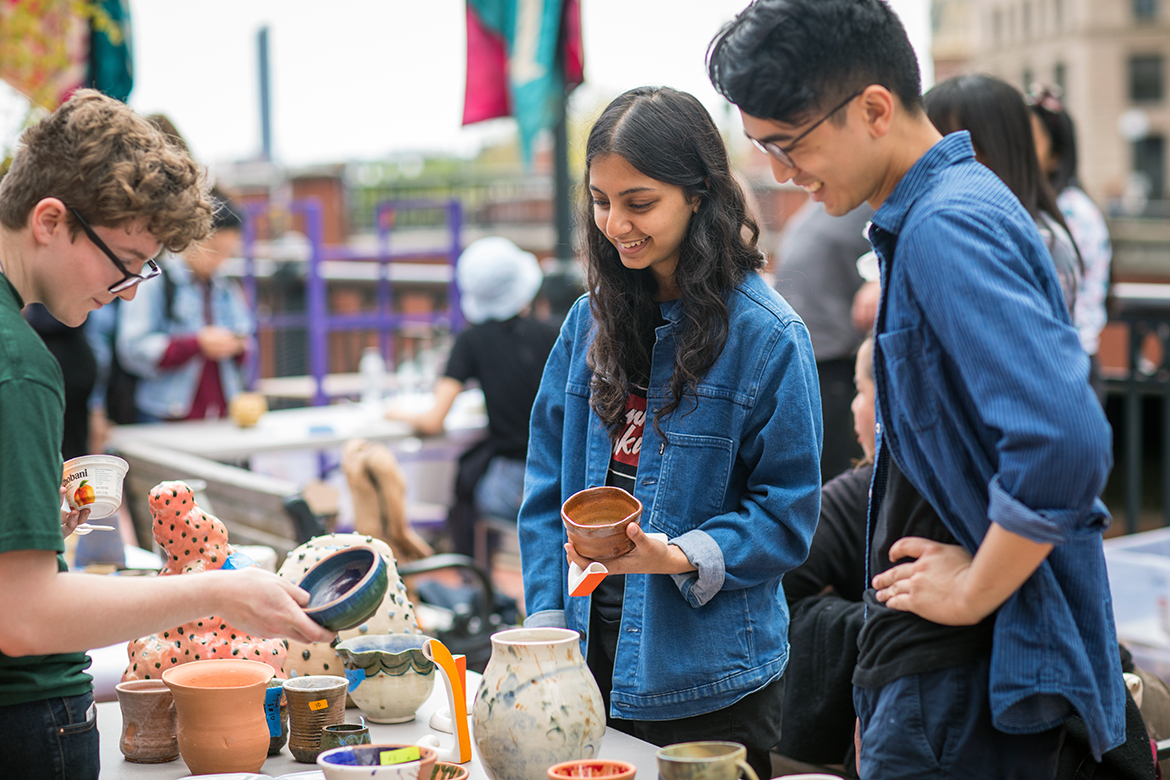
{"points": [[523, 58]]}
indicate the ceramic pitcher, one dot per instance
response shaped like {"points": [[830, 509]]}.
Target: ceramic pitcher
{"points": [[537, 704]]}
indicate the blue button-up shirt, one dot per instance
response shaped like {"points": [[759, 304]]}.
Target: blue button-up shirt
{"points": [[984, 401]]}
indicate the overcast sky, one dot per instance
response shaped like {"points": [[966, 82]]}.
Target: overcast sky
{"points": [[360, 79]]}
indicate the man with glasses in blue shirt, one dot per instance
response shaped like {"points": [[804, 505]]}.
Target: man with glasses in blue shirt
{"points": [[93, 195], [988, 618]]}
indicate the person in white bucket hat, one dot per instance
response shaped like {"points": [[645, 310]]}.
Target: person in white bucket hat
{"points": [[505, 350], [497, 280]]}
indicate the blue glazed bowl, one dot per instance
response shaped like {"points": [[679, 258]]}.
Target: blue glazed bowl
{"points": [[346, 587]]}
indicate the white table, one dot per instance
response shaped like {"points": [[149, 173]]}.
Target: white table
{"points": [[309, 428], [616, 745]]}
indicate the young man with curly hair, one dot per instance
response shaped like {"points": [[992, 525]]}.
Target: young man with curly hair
{"points": [[94, 194]]}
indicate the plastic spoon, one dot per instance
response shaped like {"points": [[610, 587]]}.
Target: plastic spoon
{"points": [[85, 528]]}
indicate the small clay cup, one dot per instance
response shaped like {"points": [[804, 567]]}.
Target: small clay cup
{"points": [[595, 520], [447, 771], [148, 722], [314, 701], [342, 734], [592, 767]]}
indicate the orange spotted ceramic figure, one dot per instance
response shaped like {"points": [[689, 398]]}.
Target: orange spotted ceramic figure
{"points": [[193, 541]]}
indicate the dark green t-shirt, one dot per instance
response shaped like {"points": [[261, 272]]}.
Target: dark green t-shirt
{"points": [[32, 414]]}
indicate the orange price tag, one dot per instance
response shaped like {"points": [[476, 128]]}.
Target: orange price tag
{"points": [[320, 704]]}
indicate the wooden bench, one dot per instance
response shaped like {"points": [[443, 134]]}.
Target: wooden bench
{"points": [[255, 508]]}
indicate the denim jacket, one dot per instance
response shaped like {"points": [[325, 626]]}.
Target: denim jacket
{"points": [[144, 331], [984, 402], [734, 481]]}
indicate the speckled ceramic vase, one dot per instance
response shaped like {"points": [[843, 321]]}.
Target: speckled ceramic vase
{"points": [[537, 704]]}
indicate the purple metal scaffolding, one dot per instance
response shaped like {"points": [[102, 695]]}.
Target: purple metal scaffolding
{"points": [[316, 320]]}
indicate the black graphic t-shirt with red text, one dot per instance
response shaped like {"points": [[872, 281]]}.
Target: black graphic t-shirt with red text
{"points": [[623, 461], [623, 473]]}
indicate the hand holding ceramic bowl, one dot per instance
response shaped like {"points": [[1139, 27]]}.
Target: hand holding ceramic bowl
{"points": [[595, 521], [346, 587]]}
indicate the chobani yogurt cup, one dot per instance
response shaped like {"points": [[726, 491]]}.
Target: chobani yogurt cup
{"points": [[94, 482]]}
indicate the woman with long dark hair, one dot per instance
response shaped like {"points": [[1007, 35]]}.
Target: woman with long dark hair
{"points": [[1056, 148], [995, 114], [683, 378]]}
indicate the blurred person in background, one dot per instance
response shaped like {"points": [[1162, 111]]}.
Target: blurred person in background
{"points": [[187, 337], [817, 274], [1056, 146], [504, 350], [995, 115], [79, 368]]}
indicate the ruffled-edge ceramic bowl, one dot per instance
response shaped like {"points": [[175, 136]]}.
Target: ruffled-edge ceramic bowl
{"points": [[389, 675], [346, 587], [595, 521], [365, 761]]}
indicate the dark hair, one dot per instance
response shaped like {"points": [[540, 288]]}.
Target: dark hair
{"points": [[666, 135], [994, 112], [1045, 105], [226, 215], [785, 59]]}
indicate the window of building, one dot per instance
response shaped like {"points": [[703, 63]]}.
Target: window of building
{"points": [[1058, 13], [997, 26], [1060, 77], [1145, 77], [1145, 10], [1027, 20], [1149, 160]]}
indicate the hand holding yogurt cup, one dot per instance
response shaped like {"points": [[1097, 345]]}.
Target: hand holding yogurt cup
{"points": [[92, 488]]}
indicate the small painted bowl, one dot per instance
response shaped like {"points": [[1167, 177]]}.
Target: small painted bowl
{"points": [[595, 520], [389, 676], [365, 761], [447, 771], [345, 587], [592, 767]]}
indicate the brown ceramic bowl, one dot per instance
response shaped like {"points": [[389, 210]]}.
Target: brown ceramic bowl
{"points": [[595, 520], [592, 767]]}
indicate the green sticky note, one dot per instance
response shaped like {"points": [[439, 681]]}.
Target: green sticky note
{"points": [[400, 756]]}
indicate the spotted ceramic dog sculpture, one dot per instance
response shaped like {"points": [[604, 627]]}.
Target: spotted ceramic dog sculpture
{"points": [[193, 541]]}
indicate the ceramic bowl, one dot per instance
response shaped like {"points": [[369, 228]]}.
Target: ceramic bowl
{"points": [[592, 767], [447, 771], [351, 761], [595, 520], [389, 675], [345, 588]]}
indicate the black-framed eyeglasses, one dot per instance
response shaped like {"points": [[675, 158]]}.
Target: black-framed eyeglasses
{"points": [[781, 152], [128, 279]]}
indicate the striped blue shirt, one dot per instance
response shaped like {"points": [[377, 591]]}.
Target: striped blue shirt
{"points": [[983, 398]]}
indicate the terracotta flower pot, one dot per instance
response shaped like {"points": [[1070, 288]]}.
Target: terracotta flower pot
{"points": [[595, 521], [148, 722], [220, 706]]}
